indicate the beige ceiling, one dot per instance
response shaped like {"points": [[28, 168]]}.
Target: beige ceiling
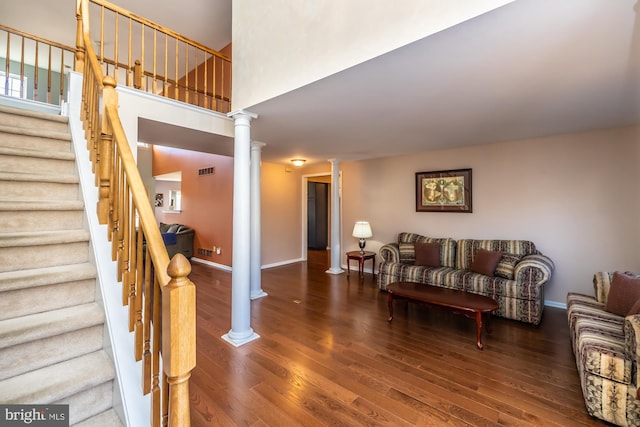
{"points": [[531, 68]]}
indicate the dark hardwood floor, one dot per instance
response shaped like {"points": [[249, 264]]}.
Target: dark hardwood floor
{"points": [[328, 357]]}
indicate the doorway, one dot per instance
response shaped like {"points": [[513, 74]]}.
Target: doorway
{"points": [[317, 215]]}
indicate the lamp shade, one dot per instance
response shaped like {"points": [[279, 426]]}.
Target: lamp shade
{"points": [[362, 230]]}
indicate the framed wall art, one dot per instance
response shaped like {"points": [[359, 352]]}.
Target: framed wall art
{"points": [[444, 191]]}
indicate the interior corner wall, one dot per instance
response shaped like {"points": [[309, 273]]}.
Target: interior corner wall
{"points": [[575, 196], [281, 220], [306, 40]]}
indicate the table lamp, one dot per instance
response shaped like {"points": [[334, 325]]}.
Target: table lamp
{"points": [[362, 230]]}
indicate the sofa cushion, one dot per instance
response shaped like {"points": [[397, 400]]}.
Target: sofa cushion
{"points": [[406, 247], [507, 265], [624, 292], [173, 228], [169, 238], [407, 252], [427, 254], [485, 262], [466, 248], [164, 227]]}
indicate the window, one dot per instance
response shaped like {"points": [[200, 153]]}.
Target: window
{"points": [[13, 86]]}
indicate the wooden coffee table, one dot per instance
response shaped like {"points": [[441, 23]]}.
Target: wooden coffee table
{"points": [[459, 302]]}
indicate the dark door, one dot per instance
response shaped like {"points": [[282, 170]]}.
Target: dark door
{"points": [[317, 215]]}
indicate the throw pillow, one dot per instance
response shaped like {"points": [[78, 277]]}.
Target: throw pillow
{"points": [[624, 292], [407, 253], [635, 308], [173, 228], [507, 265], [485, 262], [428, 254]]}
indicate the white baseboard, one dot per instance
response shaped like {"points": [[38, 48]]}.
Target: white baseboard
{"points": [[555, 304]]}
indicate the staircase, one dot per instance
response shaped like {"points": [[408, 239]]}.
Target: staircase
{"points": [[52, 336]]}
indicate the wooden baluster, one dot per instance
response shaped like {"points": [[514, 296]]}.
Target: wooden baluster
{"points": [[22, 88], [118, 243], [49, 75], [105, 160], [175, 91], [142, 85], [179, 338], [166, 420], [115, 46], [155, 378], [206, 80], [80, 49], [148, 316], [165, 90], [186, 73], [61, 84], [130, 261], [129, 83], [139, 328], [154, 83], [35, 71]]}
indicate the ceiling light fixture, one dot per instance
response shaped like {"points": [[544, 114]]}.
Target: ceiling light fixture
{"points": [[298, 162]]}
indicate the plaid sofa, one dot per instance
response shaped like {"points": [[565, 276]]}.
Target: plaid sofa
{"points": [[516, 286], [607, 351]]}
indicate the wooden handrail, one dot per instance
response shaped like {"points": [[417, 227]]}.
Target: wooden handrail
{"points": [[160, 296]]}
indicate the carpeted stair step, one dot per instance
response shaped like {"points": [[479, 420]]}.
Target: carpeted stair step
{"points": [[85, 383], [106, 419], [19, 117], [28, 250], [43, 161], [31, 342], [38, 215], [36, 186], [53, 287], [34, 139]]}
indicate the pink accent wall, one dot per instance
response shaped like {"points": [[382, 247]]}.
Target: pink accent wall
{"points": [[206, 200]]}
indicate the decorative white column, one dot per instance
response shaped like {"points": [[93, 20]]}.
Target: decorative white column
{"points": [[335, 218], [241, 332], [256, 261]]}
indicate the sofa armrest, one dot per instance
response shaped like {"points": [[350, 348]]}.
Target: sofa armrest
{"points": [[390, 252], [632, 345], [536, 268]]}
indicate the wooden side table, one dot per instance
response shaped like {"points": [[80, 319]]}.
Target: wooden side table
{"points": [[361, 257]]}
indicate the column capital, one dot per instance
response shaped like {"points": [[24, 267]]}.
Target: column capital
{"points": [[257, 145], [242, 114]]}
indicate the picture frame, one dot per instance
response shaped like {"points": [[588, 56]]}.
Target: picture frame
{"points": [[444, 191], [159, 202]]}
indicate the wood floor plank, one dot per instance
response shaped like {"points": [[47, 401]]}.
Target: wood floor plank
{"points": [[328, 357]]}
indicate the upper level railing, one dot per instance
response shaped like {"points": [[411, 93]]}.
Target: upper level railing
{"points": [[142, 54], [33, 68], [160, 296]]}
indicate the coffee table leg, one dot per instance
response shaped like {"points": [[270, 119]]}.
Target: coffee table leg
{"points": [[390, 302], [479, 329]]}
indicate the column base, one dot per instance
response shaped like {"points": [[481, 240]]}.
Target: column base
{"points": [[258, 294], [238, 341], [335, 271]]}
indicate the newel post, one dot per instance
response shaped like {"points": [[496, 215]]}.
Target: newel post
{"points": [[179, 338], [104, 156], [80, 48]]}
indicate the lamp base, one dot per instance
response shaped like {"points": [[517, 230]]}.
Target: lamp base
{"points": [[361, 243]]}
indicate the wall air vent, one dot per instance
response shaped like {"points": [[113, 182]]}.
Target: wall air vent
{"points": [[207, 171]]}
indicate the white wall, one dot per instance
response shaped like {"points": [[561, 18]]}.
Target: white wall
{"points": [[575, 196], [318, 38]]}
